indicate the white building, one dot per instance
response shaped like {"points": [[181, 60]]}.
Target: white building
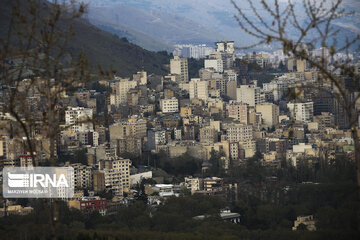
{"points": [[249, 94], [303, 112], [169, 105], [216, 64], [198, 89], [179, 66], [225, 46], [79, 119], [192, 51]]}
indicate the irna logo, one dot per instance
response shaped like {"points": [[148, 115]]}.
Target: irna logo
{"points": [[36, 180]]}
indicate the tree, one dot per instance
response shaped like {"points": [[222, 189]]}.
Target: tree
{"points": [[37, 62], [281, 23]]}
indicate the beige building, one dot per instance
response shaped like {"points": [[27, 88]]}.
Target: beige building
{"points": [[208, 135], [269, 113], [122, 87], [308, 221], [140, 78], [301, 65], [231, 89], [325, 120], [15, 210], [26, 160], [254, 118], [118, 177], [83, 176], [169, 105], [249, 94], [98, 181], [198, 89], [185, 112], [238, 111], [134, 126], [179, 66], [239, 132]]}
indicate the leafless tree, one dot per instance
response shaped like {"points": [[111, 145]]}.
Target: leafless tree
{"points": [[300, 27], [37, 63]]}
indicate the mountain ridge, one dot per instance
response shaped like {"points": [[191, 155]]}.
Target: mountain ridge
{"points": [[100, 47]]}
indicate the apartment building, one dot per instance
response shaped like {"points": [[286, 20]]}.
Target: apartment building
{"points": [[179, 66], [169, 105], [79, 119], [269, 113], [303, 112], [250, 95], [198, 89], [239, 132], [83, 176], [238, 111], [118, 177]]}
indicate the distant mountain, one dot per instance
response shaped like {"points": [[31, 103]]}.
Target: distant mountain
{"points": [[166, 27], [141, 39], [218, 15], [101, 47]]}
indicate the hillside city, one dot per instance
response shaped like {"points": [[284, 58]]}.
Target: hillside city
{"points": [[198, 141], [165, 136]]}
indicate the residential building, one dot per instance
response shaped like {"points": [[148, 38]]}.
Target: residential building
{"points": [[325, 120], [208, 135], [238, 111], [198, 89], [79, 119], [225, 46], [308, 221], [193, 184], [122, 87], [98, 181], [213, 185], [83, 176], [155, 137], [303, 112], [118, 177], [89, 204], [26, 161], [239, 132], [215, 64], [169, 105], [140, 78], [301, 65], [185, 112], [269, 113], [134, 126], [179, 66], [250, 95]]}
